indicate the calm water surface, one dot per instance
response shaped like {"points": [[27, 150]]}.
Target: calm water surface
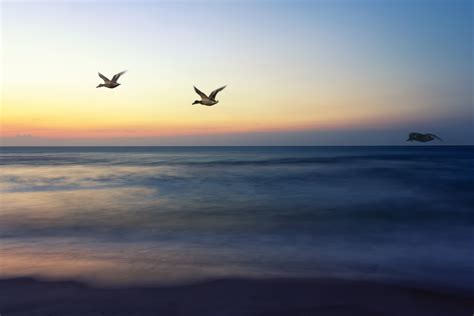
{"points": [[141, 215]]}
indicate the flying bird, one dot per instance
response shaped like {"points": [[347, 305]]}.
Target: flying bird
{"points": [[208, 100], [419, 137], [110, 83]]}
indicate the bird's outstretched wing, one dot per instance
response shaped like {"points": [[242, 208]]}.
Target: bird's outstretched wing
{"points": [[117, 76], [437, 137], [103, 77], [214, 93], [201, 94]]}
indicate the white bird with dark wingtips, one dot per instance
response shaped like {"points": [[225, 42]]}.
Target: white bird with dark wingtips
{"points": [[208, 100], [110, 83]]}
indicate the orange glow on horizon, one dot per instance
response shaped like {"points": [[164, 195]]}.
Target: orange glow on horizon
{"points": [[78, 129]]}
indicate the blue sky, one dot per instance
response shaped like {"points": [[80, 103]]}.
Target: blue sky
{"points": [[298, 72]]}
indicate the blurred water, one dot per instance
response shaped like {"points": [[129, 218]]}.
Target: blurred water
{"points": [[137, 215]]}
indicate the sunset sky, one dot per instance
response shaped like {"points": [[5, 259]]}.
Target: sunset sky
{"points": [[298, 72]]}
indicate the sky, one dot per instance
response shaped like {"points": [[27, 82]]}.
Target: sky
{"points": [[341, 72]]}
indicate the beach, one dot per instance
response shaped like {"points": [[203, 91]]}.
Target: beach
{"points": [[241, 297]]}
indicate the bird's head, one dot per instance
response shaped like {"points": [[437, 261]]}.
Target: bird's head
{"points": [[197, 102], [100, 85], [412, 137]]}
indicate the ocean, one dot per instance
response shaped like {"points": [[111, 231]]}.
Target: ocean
{"points": [[125, 216]]}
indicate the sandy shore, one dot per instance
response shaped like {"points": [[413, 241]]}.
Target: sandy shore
{"points": [[25, 296]]}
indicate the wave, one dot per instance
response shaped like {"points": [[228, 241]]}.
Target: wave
{"points": [[134, 159]]}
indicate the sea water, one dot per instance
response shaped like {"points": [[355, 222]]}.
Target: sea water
{"points": [[122, 216]]}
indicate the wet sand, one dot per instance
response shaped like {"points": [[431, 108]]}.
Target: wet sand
{"points": [[27, 296]]}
